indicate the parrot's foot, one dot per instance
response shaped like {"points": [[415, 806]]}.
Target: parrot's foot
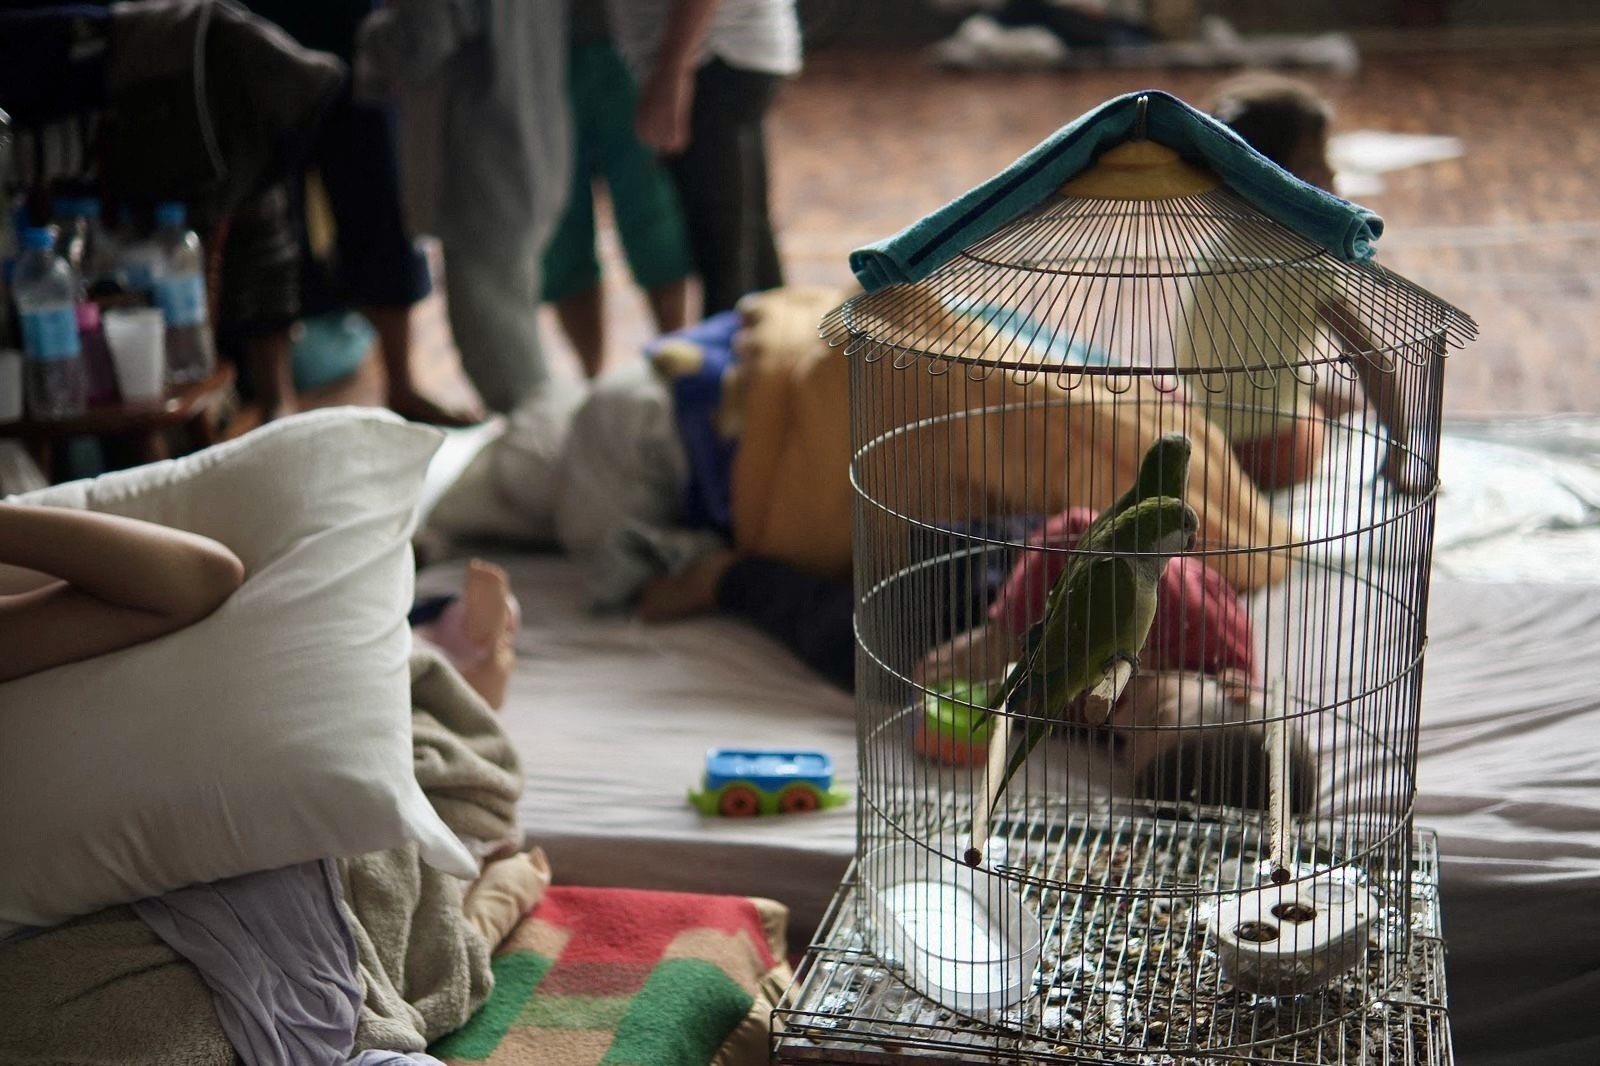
{"points": [[1101, 701]]}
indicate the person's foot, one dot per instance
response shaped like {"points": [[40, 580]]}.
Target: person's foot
{"points": [[418, 408], [692, 590], [489, 622]]}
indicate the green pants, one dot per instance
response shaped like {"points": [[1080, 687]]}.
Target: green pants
{"points": [[643, 199]]}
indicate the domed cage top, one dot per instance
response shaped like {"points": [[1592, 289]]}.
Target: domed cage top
{"points": [[1215, 853]]}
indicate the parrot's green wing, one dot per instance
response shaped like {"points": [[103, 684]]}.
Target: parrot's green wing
{"points": [[1101, 615], [1164, 471]]}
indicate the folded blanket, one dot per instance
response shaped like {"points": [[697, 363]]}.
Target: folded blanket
{"points": [[1344, 229], [424, 968], [464, 761], [624, 976], [104, 989]]}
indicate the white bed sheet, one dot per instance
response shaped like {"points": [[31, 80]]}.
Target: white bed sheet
{"points": [[613, 718]]}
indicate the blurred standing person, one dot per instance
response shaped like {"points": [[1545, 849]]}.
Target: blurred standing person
{"points": [[494, 74], [378, 267], [708, 71], [644, 201]]}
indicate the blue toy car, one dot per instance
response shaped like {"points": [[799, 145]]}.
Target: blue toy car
{"points": [[742, 783]]}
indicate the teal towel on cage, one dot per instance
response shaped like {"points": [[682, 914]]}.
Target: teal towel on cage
{"points": [[1347, 230]]}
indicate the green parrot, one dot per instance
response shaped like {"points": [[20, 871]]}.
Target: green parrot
{"points": [[1096, 621], [1164, 471]]}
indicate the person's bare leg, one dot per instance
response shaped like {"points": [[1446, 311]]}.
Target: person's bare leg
{"points": [[692, 590], [490, 623], [582, 317], [979, 654], [269, 360], [393, 326], [669, 304]]}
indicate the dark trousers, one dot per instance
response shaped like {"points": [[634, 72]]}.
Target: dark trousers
{"points": [[355, 153], [812, 616], [722, 184]]}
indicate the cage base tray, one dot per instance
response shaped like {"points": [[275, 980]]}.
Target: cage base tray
{"points": [[847, 1007]]}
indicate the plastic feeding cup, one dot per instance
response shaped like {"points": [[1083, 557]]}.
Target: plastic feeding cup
{"points": [[966, 939]]}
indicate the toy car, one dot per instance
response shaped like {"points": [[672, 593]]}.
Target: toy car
{"points": [[742, 784], [954, 726]]}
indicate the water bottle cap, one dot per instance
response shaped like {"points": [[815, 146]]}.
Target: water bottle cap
{"points": [[38, 237], [170, 214]]}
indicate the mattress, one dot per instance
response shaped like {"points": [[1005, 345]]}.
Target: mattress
{"points": [[613, 719]]}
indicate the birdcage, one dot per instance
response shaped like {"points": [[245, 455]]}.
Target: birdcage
{"points": [[1211, 852]]}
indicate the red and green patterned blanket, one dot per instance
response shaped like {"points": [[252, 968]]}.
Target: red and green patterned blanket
{"points": [[618, 977]]}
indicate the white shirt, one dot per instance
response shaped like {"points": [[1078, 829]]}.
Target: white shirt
{"points": [[756, 35], [1259, 328]]}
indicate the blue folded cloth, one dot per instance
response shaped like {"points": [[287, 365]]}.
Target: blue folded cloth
{"points": [[1347, 230]]}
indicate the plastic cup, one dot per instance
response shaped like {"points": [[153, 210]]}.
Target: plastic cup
{"points": [[137, 338], [10, 386]]}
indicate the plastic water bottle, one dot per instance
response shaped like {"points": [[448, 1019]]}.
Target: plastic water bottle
{"points": [[72, 221], [46, 293], [138, 262], [87, 245], [180, 291], [80, 243]]}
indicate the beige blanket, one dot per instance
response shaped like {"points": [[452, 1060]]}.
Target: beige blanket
{"points": [[105, 989], [424, 968]]}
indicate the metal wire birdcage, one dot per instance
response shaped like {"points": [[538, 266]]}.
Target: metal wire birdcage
{"points": [[1222, 859]]}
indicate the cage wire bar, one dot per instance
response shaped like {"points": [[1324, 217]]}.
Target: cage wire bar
{"points": [[1021, 381]]}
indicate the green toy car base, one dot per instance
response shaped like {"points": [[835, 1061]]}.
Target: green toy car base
{"points": [[745, 784]]}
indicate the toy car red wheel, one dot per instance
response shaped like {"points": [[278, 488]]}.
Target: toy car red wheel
{"points": [[797, 799], [739, 801]]}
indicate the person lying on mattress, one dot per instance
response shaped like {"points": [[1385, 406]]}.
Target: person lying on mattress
{"points": [[79, 584], [1198, 665], [1276, 426]]}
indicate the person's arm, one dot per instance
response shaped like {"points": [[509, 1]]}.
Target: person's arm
{"points": [[114, 582], [1381, 386], [666, 98]]}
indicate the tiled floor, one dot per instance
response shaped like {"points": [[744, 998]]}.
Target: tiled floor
{"points": [[866, 141]]}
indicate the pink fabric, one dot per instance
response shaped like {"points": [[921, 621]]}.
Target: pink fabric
{"points": [[1200, 622]]}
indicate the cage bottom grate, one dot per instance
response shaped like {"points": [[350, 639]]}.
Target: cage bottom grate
{"points": [[847, 1007]]}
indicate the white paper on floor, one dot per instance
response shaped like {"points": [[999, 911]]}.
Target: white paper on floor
{"points": [[1360, 156]]}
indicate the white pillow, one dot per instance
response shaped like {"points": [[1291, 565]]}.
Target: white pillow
{"points": [[274, 732]]}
